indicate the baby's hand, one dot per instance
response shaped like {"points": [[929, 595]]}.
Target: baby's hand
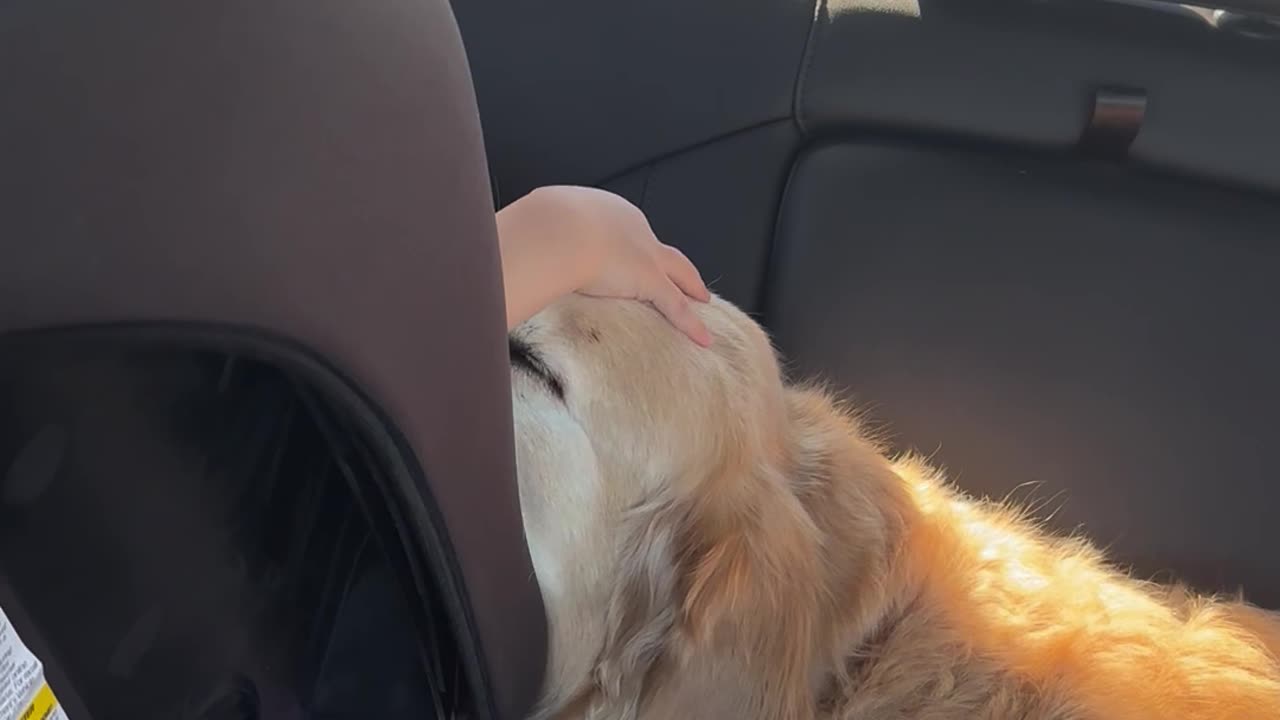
{"points": [[629, 260], [607, 249]]}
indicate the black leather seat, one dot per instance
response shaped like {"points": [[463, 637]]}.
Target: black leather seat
{"points": [[899, 189]]}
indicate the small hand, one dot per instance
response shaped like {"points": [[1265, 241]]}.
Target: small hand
{"points": [[605, 248], [632, 263]]}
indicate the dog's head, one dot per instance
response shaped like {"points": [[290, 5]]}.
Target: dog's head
{"points": [[697, 528]]}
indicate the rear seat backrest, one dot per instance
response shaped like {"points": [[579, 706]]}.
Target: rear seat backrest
{"points": [[921, 227], [1024, 72], [1060, 330]]}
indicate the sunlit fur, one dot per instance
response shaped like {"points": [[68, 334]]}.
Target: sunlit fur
{"points": [[712, 543]]}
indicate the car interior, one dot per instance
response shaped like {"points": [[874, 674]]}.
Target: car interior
{"points": [[255, 464]]}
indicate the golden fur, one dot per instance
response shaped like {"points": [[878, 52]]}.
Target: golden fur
{"points": [[713, 543]]}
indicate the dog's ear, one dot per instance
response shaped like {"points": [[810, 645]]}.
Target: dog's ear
{"points": [[754, 593], [756, 590], [735, 597], [717, 608], [642, 610], [790, 555]]}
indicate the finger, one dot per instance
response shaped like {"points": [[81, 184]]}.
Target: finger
{"points": [[675, 306], [684, 274]]}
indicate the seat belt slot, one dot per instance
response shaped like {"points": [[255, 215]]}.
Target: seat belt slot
{"points": [[1114, 123]]}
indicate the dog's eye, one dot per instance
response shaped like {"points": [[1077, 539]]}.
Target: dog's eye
{"points": [[526, 359]]}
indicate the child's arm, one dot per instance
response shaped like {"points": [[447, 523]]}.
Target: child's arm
{"points": [[558, 240]]}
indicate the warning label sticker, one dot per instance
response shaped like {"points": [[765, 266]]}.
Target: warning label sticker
{"points": [[24, 694]]}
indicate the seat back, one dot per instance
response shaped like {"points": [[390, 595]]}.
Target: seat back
{"points": [[298, 189]]}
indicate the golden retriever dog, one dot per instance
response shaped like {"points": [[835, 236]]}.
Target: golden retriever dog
{"points": [[714, 543]]}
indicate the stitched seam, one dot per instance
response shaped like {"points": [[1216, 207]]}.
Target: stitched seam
{"points": [[806, 63], [764, 296], [644, 187], [668, 154]]}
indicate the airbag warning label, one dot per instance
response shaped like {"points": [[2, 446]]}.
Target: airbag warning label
{"points": [[24, 694]]}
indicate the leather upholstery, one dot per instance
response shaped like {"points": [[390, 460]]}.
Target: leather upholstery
{"points": [[1023, 72], [1077, 337], [941, 248], [580, 90]]}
